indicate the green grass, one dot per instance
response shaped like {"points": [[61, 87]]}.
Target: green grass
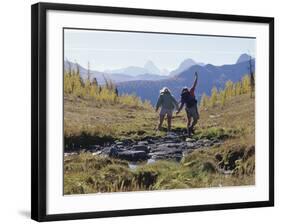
{"points": [[86, 173], [217, 133]]}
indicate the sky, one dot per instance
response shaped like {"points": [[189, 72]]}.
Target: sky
{"points": [[108, 50]]}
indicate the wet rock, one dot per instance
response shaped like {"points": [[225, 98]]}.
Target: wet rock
{"points": [[190, 145], [113, 151], [151, 141], [143, 143], [190, 140], [172, 137], [164, 152], [205, 142], [140, 148], [132, 155], [168, 140], [171, 145], [119, 143], [94, 147]]}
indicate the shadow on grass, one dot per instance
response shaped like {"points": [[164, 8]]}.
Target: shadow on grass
{"points": [[85, 140]]}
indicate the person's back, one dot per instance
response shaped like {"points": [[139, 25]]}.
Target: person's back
{"points": [[167, 103], [188, 98]]}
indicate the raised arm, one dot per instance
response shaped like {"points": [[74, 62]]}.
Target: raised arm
{"points": [[195, 82]]}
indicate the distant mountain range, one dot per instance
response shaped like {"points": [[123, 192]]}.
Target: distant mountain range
{"points": [[243, 57], [146, 81], [132, 73], [148, 68], [209, 76], [129, 74], [186, 64]]}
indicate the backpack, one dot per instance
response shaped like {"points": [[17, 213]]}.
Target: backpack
{"points": [[188, 99]]}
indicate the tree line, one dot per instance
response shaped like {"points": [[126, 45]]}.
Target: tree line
{"points": [[219, 97], [89, 88]]}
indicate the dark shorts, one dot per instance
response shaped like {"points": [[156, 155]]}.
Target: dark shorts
{"points": [[192, 112]]}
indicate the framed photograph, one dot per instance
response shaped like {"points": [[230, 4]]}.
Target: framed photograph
{"points": [[140, 111]]}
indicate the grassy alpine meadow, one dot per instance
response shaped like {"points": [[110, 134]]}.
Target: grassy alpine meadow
{"points": [[228, 120]]}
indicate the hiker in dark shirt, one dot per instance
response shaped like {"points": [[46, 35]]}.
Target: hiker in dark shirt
{"points": [[188, 99]]}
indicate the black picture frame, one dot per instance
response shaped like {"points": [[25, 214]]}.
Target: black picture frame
{"points": [[39, 107]]}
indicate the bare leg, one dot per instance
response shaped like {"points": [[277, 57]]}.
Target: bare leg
{"points": [[169, 120], [161, 119]]}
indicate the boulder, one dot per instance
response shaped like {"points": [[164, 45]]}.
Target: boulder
{"points": [[190, 140], [164, 152], [169, 140], [143, 143], [140, 148], [191, 145], [204, 142], [113, 151], [171, 145], [133, 156], [119, 143]]}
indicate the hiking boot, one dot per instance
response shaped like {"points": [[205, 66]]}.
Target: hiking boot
{"points": [[188, 132], [191, 130]]}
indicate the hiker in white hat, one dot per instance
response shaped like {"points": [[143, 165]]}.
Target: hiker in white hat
{"points": [[167, 103]]}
